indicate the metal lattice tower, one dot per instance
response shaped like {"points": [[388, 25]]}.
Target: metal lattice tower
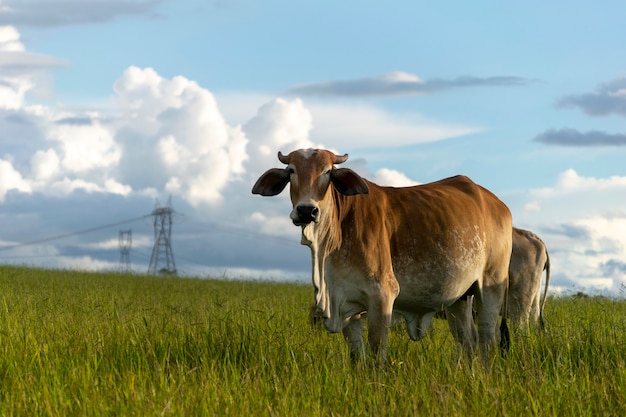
{"points": [[126, 241], [162, 259]]}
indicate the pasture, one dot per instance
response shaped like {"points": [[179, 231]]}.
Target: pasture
{"points": [[77, 343]]}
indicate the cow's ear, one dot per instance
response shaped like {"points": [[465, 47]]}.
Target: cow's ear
{"points": [[348, 182], [272, 182]]}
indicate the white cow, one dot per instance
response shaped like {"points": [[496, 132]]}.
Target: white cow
{"points": [[529, 259]]}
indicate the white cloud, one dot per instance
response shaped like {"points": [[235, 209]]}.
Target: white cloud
{"points": [[85, 147], [12, 93], [274, 225], [18, 68], [355, 126], [583, 222], [171, 152], [393, 178], [279, 125], [10, 179], [401, 76], [45, 164], [571, 181], [114, 187], [239, 106], [177, 127], [84, 263], [114, 243], [171, 137], [580, 195], [10, 39], [67, 186]]}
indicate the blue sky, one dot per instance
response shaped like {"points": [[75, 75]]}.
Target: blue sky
{"points": [[109, 106]]}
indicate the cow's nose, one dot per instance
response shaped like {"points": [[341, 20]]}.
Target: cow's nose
{"points": [[306, 213]]}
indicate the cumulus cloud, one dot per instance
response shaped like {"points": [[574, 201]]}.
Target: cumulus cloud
{"points": [[175, 126], [84, 147], [608, 98], [581, 196], [165, 134], [399, 83], [569, 182], [279, 125], [45, 164], [49, 13], [53, 156], [606, 244], [583, 222], [10, 179], [572, 137], [392, 178]]}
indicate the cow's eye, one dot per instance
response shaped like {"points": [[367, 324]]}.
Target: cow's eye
{"points": [[291, 171]]}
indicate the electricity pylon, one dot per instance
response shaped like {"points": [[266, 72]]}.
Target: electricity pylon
{"points": [[126, 241], [162, 259]]}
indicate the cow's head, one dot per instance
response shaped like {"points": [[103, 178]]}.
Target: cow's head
{"points": [[310, 172]]}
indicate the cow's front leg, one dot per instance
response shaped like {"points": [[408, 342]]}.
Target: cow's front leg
{"points": [[379, 316], [353, 333]]}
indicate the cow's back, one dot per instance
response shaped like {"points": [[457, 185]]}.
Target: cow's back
{"points": [[445, 236]]}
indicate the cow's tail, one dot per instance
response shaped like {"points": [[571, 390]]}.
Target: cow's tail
{"points": [[505, 335], [542, 324]]}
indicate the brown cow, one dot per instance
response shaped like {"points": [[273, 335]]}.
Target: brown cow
{"points": [[412, 250], [528, 261]]}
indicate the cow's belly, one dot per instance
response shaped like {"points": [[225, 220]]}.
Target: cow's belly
{"points": [[439, 273], [423, 295], [424, 291], [425, 287]]}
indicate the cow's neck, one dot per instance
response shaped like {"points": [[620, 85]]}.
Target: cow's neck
{"points": [[323, 238]]}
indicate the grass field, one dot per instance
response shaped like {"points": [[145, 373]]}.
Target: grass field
{"points": [[76, 343]]}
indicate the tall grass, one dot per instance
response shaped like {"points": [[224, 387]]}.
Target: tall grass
{"points": [[75, 343]]}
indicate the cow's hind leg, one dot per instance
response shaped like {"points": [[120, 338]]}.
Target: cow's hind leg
{"points": [[461, 324], [534, 314], [353, 334], [489, 302]]}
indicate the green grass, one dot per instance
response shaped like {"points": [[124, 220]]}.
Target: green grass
{"points": [[76, 343]]}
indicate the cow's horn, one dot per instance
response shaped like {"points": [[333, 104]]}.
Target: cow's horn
{"points": [[282, 158], [340, 159]]}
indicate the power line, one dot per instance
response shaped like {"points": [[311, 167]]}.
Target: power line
{"points": [[66, 235], [219, 227]]}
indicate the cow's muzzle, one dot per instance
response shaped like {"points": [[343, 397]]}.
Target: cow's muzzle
{"points": [[304, 214]]}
